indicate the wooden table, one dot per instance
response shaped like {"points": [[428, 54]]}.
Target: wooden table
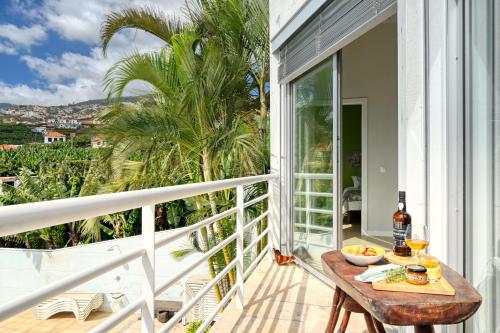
{"points": [[396, 308]]}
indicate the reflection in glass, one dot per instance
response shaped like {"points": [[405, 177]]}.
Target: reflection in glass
{"points": [[313, 164]]}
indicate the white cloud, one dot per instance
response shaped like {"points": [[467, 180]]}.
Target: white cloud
{"points": [[81, 21], [22, 37], [73, 77], [7, 49], [70, 78], [55, 94]]}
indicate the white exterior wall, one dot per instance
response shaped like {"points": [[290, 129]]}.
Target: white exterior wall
{"points": [[280, 12], [38, 268], [412, 122]]}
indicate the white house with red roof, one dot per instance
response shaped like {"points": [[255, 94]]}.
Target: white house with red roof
{"points": [[50, 137], [97, 142]]}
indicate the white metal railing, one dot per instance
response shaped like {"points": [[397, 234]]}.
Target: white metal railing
{"points": [[308, 193], [26, 217]]}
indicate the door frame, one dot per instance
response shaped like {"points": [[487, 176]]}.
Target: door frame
{"points": [[363, 101]]}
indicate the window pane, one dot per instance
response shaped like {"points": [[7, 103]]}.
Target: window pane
{"points": [[313, 164]]}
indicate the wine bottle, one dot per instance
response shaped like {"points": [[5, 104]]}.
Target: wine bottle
{"points": [[400, 222]]}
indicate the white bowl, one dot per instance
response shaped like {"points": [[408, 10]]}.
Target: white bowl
{"points": [[362, 260]]}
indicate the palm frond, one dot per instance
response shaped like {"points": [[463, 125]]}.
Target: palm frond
{"points": [[148, 19]]}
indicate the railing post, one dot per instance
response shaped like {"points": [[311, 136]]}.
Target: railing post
{"points": [[270, 221], [240, 218], [148, 269]]}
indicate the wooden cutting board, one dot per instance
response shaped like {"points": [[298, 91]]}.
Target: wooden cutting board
{"points": [[403, 261], [441, 287]]}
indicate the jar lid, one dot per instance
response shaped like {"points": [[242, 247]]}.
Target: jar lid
{"points": [[416, 268]]}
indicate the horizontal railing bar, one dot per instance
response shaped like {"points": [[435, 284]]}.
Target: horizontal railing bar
{"points": [[195, 263], [314, 175], [188, 230], [315, 194], [31, 216], [312, 243], [314, 210], [118, 317], [253, 222], [256, 200], [256, 261], [312, 226], [256, 240], [175, 319], [25, 302], [217, 309]]}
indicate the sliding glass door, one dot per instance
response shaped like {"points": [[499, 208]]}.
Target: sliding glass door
{"points": [[314, 166]]}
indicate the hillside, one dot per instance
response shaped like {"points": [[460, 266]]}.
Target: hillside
{"points": [[84, 103]]}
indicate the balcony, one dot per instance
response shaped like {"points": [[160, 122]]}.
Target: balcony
{"points": [[265, 298]]}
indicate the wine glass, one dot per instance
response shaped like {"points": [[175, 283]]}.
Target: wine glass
{"points": [[417, 238]]}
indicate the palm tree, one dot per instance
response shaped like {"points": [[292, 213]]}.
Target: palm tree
{"points": [[199, 107], [242, 27]]}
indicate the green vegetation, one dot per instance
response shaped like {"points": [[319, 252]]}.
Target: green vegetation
{"points": [[18, 135], [204, 119], [193, 327], [201, 121], [40, 156]]}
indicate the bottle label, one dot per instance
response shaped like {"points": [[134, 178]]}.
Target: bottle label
{"points": [[398, 233]]}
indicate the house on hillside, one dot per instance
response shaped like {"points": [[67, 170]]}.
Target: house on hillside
{"points": [[10, 181], [50, 137], [97, 142], [8, 147]]}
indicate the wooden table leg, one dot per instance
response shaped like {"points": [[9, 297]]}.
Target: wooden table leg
{"points": [[424, 329], [345, 321], [338, 301], [378, 325], [369, 323]]}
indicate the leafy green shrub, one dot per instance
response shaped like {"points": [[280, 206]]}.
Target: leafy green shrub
{"points": [[192, 327], [18, 134]]}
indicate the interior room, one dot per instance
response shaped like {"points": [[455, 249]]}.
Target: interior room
{"points": [[369, 136]]}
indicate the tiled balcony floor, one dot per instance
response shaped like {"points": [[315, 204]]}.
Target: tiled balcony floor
{"points": [[26, 322], [282, 299], [278, 299]]}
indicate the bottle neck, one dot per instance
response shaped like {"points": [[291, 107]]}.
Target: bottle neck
{"points": [[402, 206]]}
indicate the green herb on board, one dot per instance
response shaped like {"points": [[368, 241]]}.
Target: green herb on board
{"points": [[395, 275]]}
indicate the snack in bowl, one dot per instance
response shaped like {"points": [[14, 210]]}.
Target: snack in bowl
{"points": [[363, 255]]}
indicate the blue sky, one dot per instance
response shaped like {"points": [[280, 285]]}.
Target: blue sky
{"points": [[49, 49]]}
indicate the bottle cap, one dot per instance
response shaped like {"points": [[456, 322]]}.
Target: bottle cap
{"points": [[402, 196], [416, 268]]}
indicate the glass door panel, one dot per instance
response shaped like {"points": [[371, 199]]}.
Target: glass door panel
{"points": [[314, 164]]}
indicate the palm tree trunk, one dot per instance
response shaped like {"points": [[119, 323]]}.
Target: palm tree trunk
{"points": [[263, 108], [207, 175], [73, 235], [262, 127], [211, 266]]}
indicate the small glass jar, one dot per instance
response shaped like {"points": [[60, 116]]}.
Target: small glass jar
{"points": [[416, 274], [433, 267]]}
